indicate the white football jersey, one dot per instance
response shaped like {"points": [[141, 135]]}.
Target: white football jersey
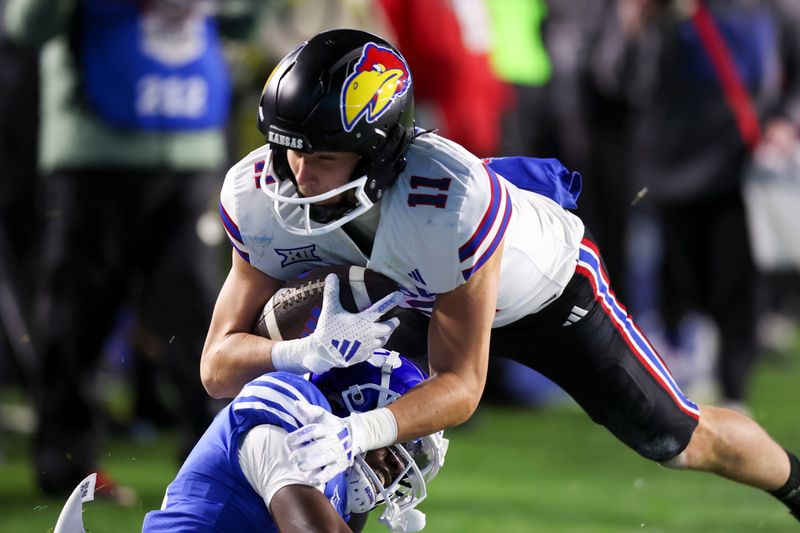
{"points": [[441, 220]]}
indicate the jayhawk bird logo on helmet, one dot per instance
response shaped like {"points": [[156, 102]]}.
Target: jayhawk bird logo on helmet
{"points": [[379, 78]]}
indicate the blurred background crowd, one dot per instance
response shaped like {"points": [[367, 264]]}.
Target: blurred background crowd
{"points": [[119, 119]]}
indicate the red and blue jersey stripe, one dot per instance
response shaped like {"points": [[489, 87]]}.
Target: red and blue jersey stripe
{"points": [[489, 233], [589, 265], [234, 234]]}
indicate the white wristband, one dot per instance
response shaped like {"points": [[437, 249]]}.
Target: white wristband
{"points": [[285, 357], [372, 430]]}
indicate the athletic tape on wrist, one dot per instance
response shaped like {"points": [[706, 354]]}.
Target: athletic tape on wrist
{"points": [[377, 428], [282, 358]]}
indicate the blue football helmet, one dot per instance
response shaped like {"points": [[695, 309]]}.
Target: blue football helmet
{"points": [[372, 384]]}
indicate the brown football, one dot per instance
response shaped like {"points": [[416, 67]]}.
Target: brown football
{"points": [[293, 310]]}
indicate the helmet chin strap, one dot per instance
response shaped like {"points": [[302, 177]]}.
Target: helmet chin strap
{"points": [[392, 360]]}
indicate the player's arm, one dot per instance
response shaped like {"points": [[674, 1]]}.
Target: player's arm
{"points": [[232, 356], [458, 355], [458, 341], [295, 506], [302, 509]]}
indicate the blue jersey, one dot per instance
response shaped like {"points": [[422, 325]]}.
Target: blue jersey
{"points": [[210, 492]]}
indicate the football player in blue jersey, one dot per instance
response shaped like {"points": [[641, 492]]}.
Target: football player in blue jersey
{"points": [[489, 249], [239, 477]]}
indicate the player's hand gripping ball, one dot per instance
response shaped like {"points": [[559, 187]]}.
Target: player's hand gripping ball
{"points": [[293, 311]]}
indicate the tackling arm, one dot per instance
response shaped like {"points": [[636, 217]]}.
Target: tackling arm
{"points": [[458, 342], [294, 505], [232, 356], [301, 509], [458, 355]]}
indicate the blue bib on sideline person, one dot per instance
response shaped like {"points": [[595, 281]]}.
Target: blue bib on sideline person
{"points": [[147, 69]]}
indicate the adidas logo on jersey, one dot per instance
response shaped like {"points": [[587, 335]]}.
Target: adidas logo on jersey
{"points": [[574, 316]]}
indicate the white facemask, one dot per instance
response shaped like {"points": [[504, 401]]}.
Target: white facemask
{"points": [[298, 220]]}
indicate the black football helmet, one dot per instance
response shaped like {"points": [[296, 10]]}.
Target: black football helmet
{"points": [[341, 91]]}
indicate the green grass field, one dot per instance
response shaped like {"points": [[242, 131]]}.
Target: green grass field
{"points": [[507, 471]]}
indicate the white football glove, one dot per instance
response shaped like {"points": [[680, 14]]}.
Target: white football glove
{"points": [[340, 339], [326, 445], [411, 521]]}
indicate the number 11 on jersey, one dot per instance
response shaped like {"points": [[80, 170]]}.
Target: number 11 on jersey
{"points": [[436, 200]]}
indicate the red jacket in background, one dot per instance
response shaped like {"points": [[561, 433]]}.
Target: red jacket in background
{"points": [[446, 71]]}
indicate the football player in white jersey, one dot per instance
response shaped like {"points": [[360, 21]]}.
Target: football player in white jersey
{"points": [[239, 476], [487, 248]]}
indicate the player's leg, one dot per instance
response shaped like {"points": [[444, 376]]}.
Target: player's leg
{"points": [[586, 342], [731, 444], [725, 441], [590, 348]]}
